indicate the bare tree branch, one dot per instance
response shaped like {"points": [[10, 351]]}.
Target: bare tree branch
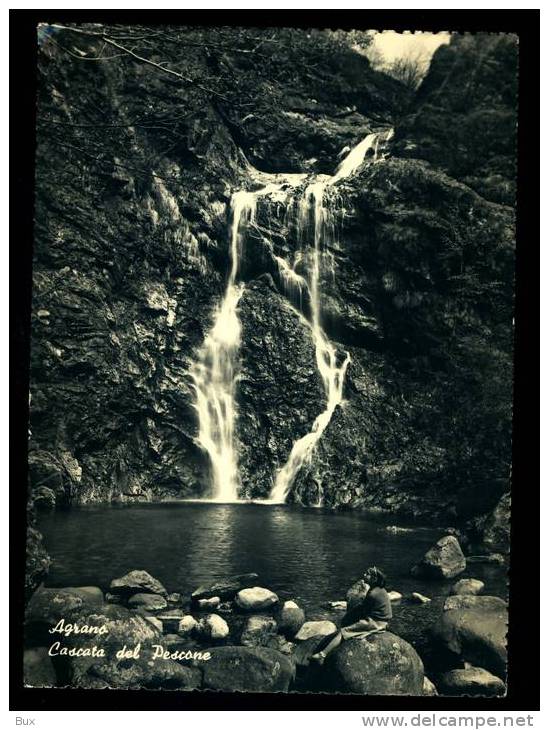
{"points": [[142, 59]]}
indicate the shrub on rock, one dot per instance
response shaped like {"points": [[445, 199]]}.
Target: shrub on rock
{"points": [[247, 669], [255, 599], [381, 664], [444, 560]]}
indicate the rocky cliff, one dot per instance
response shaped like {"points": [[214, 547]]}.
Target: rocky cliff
{"points": [[135, 171]]}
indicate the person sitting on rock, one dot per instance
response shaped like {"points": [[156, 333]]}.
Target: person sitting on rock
{"points": [[370, 616]]}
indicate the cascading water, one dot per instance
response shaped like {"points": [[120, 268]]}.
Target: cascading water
{"points": [[214, 373], [332, 374]]}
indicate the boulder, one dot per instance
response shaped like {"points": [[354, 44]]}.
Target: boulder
{"points": [[290, 619], [481, 603], [255, 599], [208, 604], [381, 664], [247, 669], [212, 627], [467, 587], [123, 628], [394, 596], [429, 689], [227, 588], [356, 594], [187, 626], [419, 598], [473, 635], [48, 606], [141, 673], [444, 560], [38, 669], [473, 681], [315, 629], [173, 598], [338, 605], [258, 630], [148, 601], [137, 581]]}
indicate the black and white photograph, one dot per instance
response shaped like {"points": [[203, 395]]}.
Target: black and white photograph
{"points": [[271, 359]]}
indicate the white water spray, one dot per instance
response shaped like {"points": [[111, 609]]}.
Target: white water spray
{"points": [[214, 372], [332, 373]]}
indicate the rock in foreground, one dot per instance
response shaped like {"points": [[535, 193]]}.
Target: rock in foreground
{"points": [[467, 587], [473, 682], [315, 629], [291, 618], [473, 635], [148, 601], [256, 599], [381, 664], [444, 560], [225, 589], [212, 627], [137, 581], [258, 630], [247, 669], [480, 603]]}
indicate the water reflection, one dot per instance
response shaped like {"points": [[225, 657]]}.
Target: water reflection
{"points": [[310, 555]]}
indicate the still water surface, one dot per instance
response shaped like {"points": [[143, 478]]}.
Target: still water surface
{"points": [[310, 555]]}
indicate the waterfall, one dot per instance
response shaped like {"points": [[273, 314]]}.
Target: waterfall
{"points": [[214, 372], [332, 373]]}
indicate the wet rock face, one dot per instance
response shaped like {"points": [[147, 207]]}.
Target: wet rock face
{"points": [[131, 259], [278, 400]]}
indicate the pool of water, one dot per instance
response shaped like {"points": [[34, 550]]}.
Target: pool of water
{"points": [[310, 555]]}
